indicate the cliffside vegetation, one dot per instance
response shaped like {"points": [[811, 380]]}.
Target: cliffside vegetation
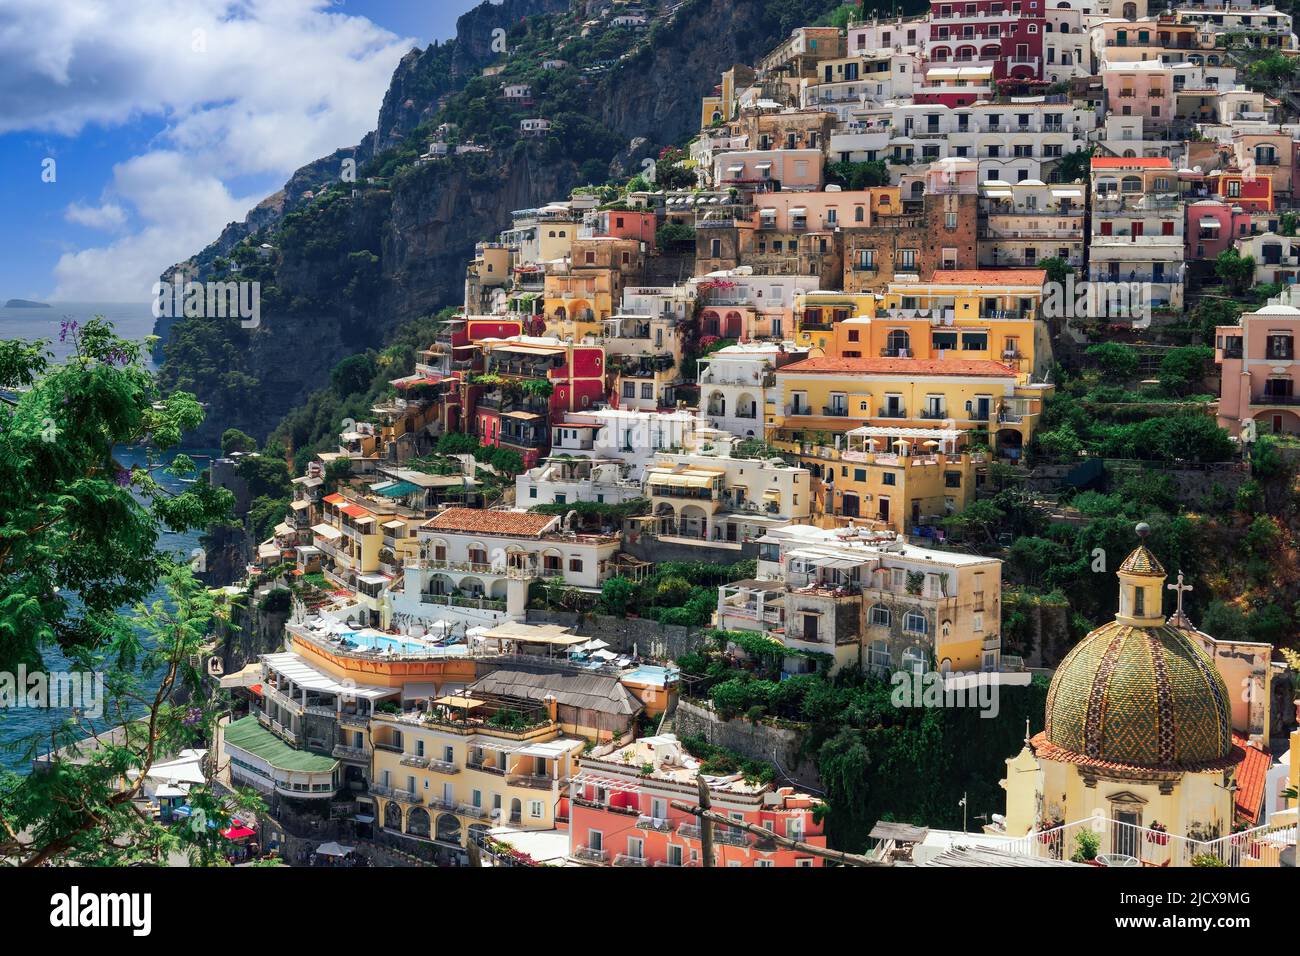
{"points": [[348, 260]]}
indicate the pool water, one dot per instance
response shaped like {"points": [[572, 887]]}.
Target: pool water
{"points": [[398, 645], [651, 674]]}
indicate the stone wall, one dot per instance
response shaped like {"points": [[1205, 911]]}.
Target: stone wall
{"points": [[776, 745], [648, 638]]}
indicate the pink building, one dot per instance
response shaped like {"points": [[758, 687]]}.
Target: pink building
{"points": [[1257, 360], [760, 170], [622, 814], [1139, 89], [1212, 224]]}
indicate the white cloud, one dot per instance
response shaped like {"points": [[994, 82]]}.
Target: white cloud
{"points": [[107, 216], [248, 90]]}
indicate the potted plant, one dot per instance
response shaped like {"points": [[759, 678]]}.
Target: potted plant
{"points": [[1158, 833]]}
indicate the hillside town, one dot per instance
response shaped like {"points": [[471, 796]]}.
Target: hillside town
{"points": [[741, 421]]}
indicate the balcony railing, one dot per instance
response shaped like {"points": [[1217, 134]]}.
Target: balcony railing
{"points": [[625, 859], [590, 855], [536, 781], [1262, 400], [401, 796], [892, 413], [657, 824], [341, 752]]}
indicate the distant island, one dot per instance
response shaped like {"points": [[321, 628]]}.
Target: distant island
{"points": [[25, 304]]}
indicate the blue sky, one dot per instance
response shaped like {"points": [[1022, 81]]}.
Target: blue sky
{"points": [[132, 131]]}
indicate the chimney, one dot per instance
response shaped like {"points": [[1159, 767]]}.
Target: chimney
{"points": [[551, 707]]}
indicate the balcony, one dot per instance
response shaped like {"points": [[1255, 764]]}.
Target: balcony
{"points": [[892, 413], [731, 837], [689, 830], [486, 767], [349, 753], [589, 855], [835, 411], [536, 781], [1263, 401], [411, 760], [625, 859], [659, 825], [469, 810], [392, 793], [442, 766]]}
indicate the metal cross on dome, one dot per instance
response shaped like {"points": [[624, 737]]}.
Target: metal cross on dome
{"points": [[1180, 588]]}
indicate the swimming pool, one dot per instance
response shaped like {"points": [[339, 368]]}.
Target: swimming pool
{"points": [[651, 674], [399, 645]]}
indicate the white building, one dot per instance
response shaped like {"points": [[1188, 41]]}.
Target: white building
{"points": [[475, 566], [737, 385]]}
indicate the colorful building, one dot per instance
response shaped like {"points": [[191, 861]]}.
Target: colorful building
{"points": [[622, 813]]}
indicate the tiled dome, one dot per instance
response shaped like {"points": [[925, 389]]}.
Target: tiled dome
{"points": [[1140, 696]]}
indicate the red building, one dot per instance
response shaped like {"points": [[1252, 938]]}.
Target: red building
{"points": [[621, 812], [1006, 35], [627, 224], [529, 383]]}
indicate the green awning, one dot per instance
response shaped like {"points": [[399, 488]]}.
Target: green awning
{"points": [[248, 735], [398, 489]]}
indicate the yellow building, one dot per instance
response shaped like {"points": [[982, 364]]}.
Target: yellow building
{"points": [[469, 763], [818, 314], [989, 314], [1139, 746], [896, 479], [819, 398]]}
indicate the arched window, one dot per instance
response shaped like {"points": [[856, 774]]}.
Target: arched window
{"points": [[914, 660], [417, 822], [860, 214], [392, 816], [915, 623], [881, 617], [878, 656], [898, 341]]}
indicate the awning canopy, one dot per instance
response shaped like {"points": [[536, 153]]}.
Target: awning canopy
{"points": [[1209, 222], [685, 480], [309, 678], [328, 532]]}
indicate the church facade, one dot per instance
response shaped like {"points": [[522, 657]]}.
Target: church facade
{"points": [[1140, 743]]}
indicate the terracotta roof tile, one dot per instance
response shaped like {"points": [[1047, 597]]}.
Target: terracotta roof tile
{"points": [[334, 499], [476, 521], [1251, 773], [897, 366]]}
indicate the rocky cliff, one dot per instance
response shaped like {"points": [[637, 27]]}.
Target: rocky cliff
{"points": [[353, 261]]}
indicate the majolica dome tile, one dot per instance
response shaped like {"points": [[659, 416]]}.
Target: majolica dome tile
{"points": [[1140, 696]]}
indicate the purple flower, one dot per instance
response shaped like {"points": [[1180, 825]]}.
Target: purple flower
{"points": [[65, 327], [192, 716], [123, 477]]}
